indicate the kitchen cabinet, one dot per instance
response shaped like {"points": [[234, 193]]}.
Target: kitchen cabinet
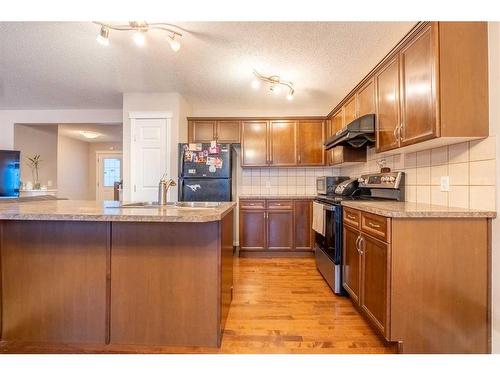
{"points": [[366, 271], [254, 143], [350, 110], [366, 99], [375, 256], [275, 225], [253, 228], [279, 235], [342, 154], [429, 91], [310, 139], [351, 267], [228, 131], [303, 234], [418, 71], [393, 270], [222, 131], [282, 143], [387, 117]]}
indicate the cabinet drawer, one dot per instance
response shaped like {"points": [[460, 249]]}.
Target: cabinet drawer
{"points": [[377, 226], [278, 204], [352, 217], [252, 204]]}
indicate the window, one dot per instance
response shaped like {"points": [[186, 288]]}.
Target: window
{"points": [[112, 171]]}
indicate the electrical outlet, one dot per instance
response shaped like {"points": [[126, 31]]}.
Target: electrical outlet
{"points": [[445, 183]]}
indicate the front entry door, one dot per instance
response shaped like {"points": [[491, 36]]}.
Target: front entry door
{"points": [[109, 170]]}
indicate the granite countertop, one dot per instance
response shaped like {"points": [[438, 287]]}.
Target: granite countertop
{"points": [[75, 210], [411, 210], [305, 196]]}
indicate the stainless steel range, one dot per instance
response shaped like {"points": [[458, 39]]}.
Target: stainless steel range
{"points": [[327, 218]]}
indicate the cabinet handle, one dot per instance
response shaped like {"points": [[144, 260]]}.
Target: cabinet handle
{"points": [[373, 225], [399, 131], [351, 217], [252, 204], [361, 240], [395, 133], [357, 243], [299, 158]]}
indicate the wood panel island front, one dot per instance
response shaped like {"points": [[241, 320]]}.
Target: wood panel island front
{"points": [[79, 272]]}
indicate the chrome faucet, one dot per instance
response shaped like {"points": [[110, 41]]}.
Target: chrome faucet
{"points": [[163, 187]]}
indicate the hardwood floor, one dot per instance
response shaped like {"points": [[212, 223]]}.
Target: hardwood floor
{"points": [[280, 305]]}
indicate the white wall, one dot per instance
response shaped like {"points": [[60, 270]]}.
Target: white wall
{"points": [[53, 116], [42, 140], [72, 169], [494, 85], [165, 102]]}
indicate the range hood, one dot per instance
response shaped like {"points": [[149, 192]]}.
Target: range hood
{"points": [[358, 133]]}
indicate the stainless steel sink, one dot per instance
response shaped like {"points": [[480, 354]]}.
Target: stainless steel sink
{"points": [[184, 205]]}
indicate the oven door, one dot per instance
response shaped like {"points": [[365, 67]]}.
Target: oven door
{"points": [[331, 242]]}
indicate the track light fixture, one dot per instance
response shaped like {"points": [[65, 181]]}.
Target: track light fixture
{"points": [[140, 28], [275, 84]]}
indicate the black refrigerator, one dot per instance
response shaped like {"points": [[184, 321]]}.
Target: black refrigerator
{"points": [[205, 172]]}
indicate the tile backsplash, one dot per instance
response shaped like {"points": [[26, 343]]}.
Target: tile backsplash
{"points": [[282, 181], [469, 165]]}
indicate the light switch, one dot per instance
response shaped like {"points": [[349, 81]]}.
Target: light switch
{"points": [[445, 183]]}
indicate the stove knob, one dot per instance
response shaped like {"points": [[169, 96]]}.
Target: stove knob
{"points": [[392, 179]]}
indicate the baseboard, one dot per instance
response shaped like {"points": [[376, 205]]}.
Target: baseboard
{"points": [[275, 254]]}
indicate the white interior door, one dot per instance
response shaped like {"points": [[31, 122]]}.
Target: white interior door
{"points": [[148, 159], [109, 170]]}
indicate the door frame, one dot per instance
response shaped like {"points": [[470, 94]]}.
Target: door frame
{"points": [[97, 174]]}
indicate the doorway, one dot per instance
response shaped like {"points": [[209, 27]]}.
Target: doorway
{"points": [[109, 170]]}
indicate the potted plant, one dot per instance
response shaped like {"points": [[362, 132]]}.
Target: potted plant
{"points": [[34, 164]]}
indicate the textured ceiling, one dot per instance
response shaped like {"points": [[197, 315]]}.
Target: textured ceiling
{"points": [[60, 64]]}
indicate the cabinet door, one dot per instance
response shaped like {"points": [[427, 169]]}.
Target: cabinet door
{"points": [[350, 110], [310, 138], [252, 229], [279, 230], [228, 131], [351, 268], [338, 121], [254, 143], [202, 131], [366, 99], [283, 143], [374, 281], [418, 88], [387, 106], [303, 224]]}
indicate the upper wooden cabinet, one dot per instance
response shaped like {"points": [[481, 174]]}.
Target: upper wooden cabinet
{"points": [[254, 143], [222, 131], [429, 91], [228, 131], [283, 143], [310, 139], [350, 110], [366, 99], [387, 108]]}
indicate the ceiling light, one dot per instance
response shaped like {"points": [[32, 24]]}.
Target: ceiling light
{"points": [[174, 43], [139, 38], [103, 37], [89, 134], [275, 84], [140, 28]]}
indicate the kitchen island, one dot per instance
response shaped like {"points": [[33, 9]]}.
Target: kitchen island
{"points": [[85, 272]]}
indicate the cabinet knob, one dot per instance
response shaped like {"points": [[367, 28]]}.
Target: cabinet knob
{"points": [[373, 225]]}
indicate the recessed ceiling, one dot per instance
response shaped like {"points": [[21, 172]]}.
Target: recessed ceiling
{"points": [[60, 64], [107, 132]]}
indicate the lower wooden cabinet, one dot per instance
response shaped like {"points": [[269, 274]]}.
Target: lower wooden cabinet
{"points": [[283, 225], [352, 261], [366, 270], [253, 229]]}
